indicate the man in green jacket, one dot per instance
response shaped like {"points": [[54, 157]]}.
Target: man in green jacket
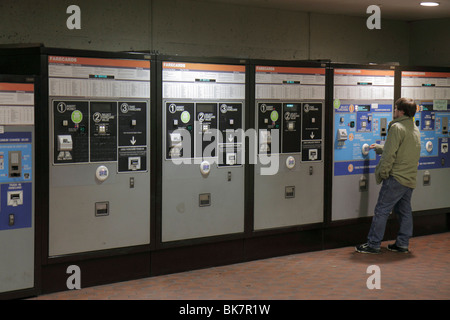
{"points": [[397, 170]]}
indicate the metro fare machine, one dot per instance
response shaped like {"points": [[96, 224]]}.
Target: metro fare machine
{"points": [[430, 89], [17, 188], [99, 188], [203, 172], [289, 106], [363, 102], [94, 154]]}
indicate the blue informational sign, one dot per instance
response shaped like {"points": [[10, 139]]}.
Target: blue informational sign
{"points": [[15, 210], [15, 180], [16, 142], [434, 136]]}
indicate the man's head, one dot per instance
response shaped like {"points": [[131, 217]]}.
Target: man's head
{"points": [[405, 106]]}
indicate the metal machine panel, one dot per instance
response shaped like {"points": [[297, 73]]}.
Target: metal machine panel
{"points": [[289, 170], [362, 109], [202, 166], [99, 192], [17, 220], [431, 92]]}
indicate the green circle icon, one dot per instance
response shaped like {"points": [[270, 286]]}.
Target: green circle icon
{"points": [[76, 116], [274, 115], [185, 116], [336, 103]]}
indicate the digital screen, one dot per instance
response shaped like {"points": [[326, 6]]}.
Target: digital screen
{"points": [[101, 106], [364, 83], [291, 82], [292, 106], [427, 107], [428, 84], [100, 76], [364, 107], [205, 80], [206, 107]]}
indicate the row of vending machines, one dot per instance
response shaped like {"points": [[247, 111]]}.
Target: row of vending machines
{"points": [[130, 164]]}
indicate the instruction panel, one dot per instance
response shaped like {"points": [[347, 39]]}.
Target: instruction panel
{"points": [[431, 92], [102, 115], [363, 106], [204, 111], [288, 101]]}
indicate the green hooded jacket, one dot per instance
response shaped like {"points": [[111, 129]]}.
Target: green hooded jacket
{"points": [[400, 153]]}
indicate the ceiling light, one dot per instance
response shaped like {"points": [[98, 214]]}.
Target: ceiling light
{"points": [[429, 4]]}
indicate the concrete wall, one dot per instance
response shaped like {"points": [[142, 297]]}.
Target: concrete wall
{"points": [[430, 42], [347, 39], [112, 25], [205, 29], [199, 28]]}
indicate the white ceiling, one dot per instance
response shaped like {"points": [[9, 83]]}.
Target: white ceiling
{"points": [[407, 10]]}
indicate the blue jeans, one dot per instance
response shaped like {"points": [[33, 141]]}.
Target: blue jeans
{"points": [[395, 196]]}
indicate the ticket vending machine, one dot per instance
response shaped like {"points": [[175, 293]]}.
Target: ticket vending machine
{"points": [[430, 89], [93, 171], [289, 167], [99, 172], [17, 189], [202, 108], [363, 98]]}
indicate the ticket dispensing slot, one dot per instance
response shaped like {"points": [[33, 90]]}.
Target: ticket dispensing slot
{"points": [[15, 198], [289, 192], [134, 163], [101, 209], [445, 125], [204, 200], [312, 154], [15, 164]]}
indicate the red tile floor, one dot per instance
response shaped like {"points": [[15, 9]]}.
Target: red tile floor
{"points": [[337, 274]]}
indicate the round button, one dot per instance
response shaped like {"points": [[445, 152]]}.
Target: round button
{"points": [[290, 162], [274, 115], [185, 116], [205, 167], [429, 146], [76, 116], [102, 173]]}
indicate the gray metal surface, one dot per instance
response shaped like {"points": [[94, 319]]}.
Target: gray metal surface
{"points": [[273, 209], [183, 218]]}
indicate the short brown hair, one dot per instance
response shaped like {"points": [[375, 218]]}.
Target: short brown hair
{"points": [[407, 105]]}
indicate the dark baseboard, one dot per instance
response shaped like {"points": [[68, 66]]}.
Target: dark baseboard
{"points": [[96, 271]]}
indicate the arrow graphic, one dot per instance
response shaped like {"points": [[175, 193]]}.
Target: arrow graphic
{"points": [[133, 141]]}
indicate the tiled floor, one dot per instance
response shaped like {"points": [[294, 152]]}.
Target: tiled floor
{"points": [[424, 274]]}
